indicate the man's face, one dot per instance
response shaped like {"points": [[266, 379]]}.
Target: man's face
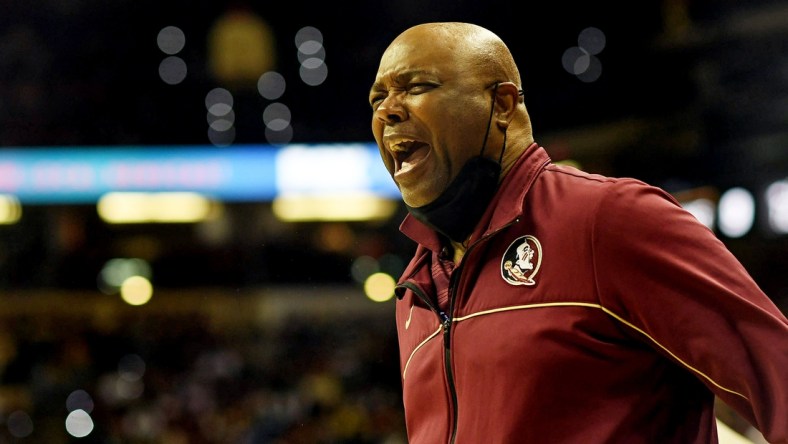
{"points": [[430, 113]]}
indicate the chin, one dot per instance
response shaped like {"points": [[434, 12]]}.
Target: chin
{"points": [[414, 201], [410, 200]]}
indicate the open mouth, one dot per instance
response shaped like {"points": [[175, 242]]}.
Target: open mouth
{"points": [[407, 153]]}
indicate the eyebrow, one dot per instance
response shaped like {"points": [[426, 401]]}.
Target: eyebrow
{"points": [[401, 78]]}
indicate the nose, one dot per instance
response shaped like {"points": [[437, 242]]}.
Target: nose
{"points": [[391, 110]]}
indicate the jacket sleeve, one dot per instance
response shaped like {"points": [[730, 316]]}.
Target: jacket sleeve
{"points": [[677, 285]]}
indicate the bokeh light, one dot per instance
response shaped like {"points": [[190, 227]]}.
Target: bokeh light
{"points": [[221, 117], [19, 424], [362, 267], [306, 34], [79, 424], [311, 54], [703, 209], [271, 85], [581, 60], [318, 53], [276, 116], [10, 209], [221, 123], [115, 271], [158, 207], [379, 287], [592, 40], [136, 290], [575, 60], [115, 390], [218, 96], [313, 76], [736, 212], [79, 400], [220, 109], [172, 70], [240, 46], [777, 204], [350, 206], [593, 72], [131, 367], [171, 40], [310, 47]]}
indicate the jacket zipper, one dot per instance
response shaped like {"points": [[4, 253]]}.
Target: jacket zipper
{"points": [[446, 321], [447, 352], [453, 284]]}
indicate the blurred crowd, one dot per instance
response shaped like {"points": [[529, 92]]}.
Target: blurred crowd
{"points": [[176, 379]]}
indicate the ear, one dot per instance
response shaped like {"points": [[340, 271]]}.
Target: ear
{"points": [[507, 96]]}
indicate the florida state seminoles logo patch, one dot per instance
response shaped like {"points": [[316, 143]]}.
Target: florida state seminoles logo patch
{"points": [[521, 261]]}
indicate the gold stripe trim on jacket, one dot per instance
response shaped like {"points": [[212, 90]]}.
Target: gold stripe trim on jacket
{"points": [[700, 373], [421, 344], [606, 311], [522, 307]]}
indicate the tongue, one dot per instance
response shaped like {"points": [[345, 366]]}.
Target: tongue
{"points": [[414, 157]]}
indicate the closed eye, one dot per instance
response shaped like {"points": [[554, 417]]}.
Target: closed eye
{"points": [[413, 88], [419, 88], [375, 99]]}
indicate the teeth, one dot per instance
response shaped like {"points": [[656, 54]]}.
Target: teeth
{"points": [[402, 145]]}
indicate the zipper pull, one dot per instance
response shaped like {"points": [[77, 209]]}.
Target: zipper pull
{"points": [[445, 321]]}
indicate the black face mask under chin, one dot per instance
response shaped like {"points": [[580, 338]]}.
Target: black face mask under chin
{"points": [[458, 209]]}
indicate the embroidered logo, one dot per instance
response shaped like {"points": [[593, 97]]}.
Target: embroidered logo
{"points": [[521, 261]]}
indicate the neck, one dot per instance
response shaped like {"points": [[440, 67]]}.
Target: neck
{"points": [[518, 147]]}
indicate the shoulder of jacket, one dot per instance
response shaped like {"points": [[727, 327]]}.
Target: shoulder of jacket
{"points": [[568, 172], [595, 181]]}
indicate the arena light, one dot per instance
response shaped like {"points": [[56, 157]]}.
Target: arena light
{"points": [[355, 206], [237, 173], [79, 424], [136, 290], [304, 169], [10, 209], [115, 271], [701, 202], [164, 207], [703, 209], [379, 287], [736, 212], [777, 205]]}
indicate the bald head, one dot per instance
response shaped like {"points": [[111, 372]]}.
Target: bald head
{"points": [[477, 47]]}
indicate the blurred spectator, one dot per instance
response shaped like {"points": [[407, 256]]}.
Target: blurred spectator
{"points": [[174, 379]]}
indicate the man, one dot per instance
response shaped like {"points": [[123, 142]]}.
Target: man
{"points": [[630, 315]]}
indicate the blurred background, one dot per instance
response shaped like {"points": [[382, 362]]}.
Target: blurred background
{"points": [[197, 241]]}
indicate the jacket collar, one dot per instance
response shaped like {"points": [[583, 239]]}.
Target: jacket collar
{"points": [[505, 207]]}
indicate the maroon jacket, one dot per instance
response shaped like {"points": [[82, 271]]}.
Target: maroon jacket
{"points": [[586, 309]]}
